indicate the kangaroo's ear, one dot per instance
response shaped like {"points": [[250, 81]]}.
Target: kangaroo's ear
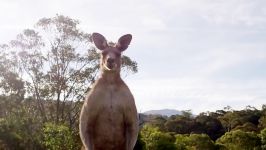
{"points": [[123, 42], [99, 41]]}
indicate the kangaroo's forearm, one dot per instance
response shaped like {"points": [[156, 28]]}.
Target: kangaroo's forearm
{"points": [[131, 136], [86, 137], [85, 130]]}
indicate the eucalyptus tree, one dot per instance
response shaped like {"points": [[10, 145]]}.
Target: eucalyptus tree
{"points": [[58, 64]]}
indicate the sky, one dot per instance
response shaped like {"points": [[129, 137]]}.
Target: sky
{"points": [[199, 55]]}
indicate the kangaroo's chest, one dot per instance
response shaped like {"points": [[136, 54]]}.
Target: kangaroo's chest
{"points": [[111, 97], [107, 108]]}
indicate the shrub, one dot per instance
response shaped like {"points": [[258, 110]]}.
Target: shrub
{"points": [[240, 140], [58, 137], [157, 140]]}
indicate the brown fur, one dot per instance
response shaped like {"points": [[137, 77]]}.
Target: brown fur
{"points": [[108, 119]]}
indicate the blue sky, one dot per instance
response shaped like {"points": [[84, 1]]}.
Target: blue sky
{"points": [[193, 54]]}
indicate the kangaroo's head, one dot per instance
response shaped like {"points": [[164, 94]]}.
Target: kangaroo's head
{"points": [[111, 54]]}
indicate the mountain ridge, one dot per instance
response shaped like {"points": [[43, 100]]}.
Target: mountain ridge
{"points": [[163, 112]]}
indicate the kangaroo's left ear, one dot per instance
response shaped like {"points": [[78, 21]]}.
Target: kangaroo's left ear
{"points": [[99, 41], [123, 42]]}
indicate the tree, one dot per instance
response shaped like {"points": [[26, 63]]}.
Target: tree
{"points": [[263, 138], [262, 122], [179, 124], [208, 125], [158, 121], [230, 120], [58, 64], [201, 141], [11, 82], [186, 113], [247, 127], [194, 141], [240, 140], [20, 132], [182, 141], [26, 48], [59, 137], [156, 140]]}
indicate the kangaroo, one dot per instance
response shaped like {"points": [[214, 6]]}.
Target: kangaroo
{"points": [[108, 119]]}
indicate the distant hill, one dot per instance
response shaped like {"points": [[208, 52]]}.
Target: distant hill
{"points": [[163, 112]]}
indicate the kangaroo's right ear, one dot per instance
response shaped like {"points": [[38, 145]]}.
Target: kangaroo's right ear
{"points": [[99, 41]]}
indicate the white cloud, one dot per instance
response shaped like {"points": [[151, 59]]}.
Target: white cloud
{"points": [[183, 47], [234, 12], [196, 93]]}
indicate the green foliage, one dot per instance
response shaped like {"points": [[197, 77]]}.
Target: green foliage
{"points": [[58, 137], [232, 119], [201, 141], [194, 141], [262, 121], [238, 139], [8, 136], [209, 125], [156, 140], [10, 81], [263, 138], [202, 124], [19, 134], [248, 127], [157, 121], [179, 124], [19, 126], [182, 141]]}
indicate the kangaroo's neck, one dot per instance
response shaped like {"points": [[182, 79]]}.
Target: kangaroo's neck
{"points": [[111, 77]]}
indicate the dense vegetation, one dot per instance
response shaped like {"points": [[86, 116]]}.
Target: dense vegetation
{"points": [[224, 129], [45, 73]]}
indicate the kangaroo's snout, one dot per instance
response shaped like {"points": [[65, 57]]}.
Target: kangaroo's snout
{"points": [[110, 63], [110, 60]]}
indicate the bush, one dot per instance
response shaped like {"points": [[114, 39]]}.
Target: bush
{"points": [[240, 140], [194, 141], [182, 141], [11, 137], [157, 140], [263, 138], [201, 141], [58, 137]]}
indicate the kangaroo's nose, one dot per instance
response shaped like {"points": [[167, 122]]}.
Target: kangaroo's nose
{"points": [[110, 60]]}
